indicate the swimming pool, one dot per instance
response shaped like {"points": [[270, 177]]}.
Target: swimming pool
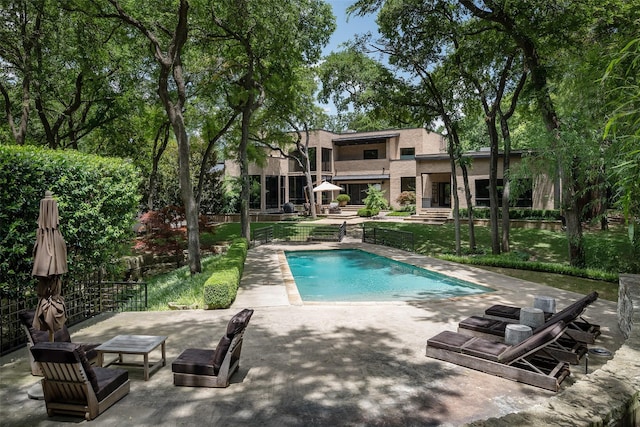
{"points": [[356, 275]]}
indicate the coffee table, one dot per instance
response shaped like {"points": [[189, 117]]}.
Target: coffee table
{"points": [[136, 345]]}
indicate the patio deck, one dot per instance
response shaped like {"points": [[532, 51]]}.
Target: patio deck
{"points": [[349, 364]]}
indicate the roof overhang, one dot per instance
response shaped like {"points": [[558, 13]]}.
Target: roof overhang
{"points": [[473, 154], [364, 139], [361, 177]]}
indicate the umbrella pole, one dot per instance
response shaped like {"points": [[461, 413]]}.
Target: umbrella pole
{"points": [[50, 335]]}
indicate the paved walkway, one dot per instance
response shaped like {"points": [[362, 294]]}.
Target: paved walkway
{"points": [[357, 364]]}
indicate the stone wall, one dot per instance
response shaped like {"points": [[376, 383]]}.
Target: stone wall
{"points": [[607, 397]]}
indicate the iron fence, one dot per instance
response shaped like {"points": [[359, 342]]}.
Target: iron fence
{"points": [[290, 232], [83, 301], [388, 237]]}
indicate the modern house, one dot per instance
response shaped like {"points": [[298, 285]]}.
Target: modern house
{"points": [[392, 160]]}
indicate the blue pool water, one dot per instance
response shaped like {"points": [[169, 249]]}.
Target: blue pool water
{"points": [[355, 275]]}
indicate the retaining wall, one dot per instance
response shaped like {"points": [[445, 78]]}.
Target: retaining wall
{"points": [[608, 396]]}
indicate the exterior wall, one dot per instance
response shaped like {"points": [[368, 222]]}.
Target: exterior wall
{"points": [[432, 173]]}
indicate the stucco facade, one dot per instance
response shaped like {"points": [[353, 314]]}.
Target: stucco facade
{"points": [[393, 160]]}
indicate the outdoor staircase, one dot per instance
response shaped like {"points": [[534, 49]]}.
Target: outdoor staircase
{"points": [[436, 216], [347, 212]]}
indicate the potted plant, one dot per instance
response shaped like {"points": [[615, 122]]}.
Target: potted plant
{"points": [[343, 199]]}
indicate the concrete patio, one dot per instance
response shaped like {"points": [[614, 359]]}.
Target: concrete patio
{"points": [[351, 364]]}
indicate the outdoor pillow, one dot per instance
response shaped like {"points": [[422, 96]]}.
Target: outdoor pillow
{"points": [[239, 322], [26, 317], [219, 353]]}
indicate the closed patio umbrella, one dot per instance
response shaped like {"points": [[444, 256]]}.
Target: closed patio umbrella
{"points": [[49, 263]]}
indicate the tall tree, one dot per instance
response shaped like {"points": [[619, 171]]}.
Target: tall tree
{"points": [[264, 45], [529, 27], [623, 128], [417, 36], [20, 31], [168, 40]]}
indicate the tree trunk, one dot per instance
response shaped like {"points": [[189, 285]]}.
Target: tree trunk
{"points": [[307, 172], [456, 199], [469, 199], [245, 219], [506, 181], [494, 203], [550, 118], [163, 132], [186, 194]]}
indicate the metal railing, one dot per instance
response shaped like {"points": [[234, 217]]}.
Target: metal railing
{"points": [[83, 301], [388, 237], [298, 233]]}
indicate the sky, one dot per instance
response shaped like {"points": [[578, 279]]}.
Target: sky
{"points": [[347, 28]]}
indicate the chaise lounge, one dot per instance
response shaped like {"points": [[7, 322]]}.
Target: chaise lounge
{"points": [[566, 348], [72, 386], [527, 362], [579, 330], [197, 367], [35, 336]]}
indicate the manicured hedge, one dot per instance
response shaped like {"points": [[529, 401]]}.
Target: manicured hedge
{"points": [[516, 213], [221, 287], [97, 202], [366, 212]]}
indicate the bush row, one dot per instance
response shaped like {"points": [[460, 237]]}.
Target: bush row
{"points": [[519, 213], [504, 262], [221, 287], [97, 202]]}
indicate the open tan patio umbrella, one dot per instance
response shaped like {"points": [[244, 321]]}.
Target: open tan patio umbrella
{"points": [[49, 264]]}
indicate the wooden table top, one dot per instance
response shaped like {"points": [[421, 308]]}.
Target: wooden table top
{"points": [[132, 344]]}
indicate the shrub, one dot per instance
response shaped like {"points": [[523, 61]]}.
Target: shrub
{"points": [[375, 199], [221, 287], [516, 213], [407, 198], [366, 212], [344, 198], [97, 201]]}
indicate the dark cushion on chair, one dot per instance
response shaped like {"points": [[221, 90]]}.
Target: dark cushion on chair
{"points": [[503, 311], [108, 381], [483, 324], [90, 351], [219, 353], [448, 340], [91, 375], [195, 361], [239, 322], [26, 318], [55, 352]]}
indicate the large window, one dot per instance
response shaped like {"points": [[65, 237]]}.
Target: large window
{"points": [[271, 192], [296, 190], [357, 192], [370, 154], [326, 160], [407, 153], [522, 188], [408, 183]]}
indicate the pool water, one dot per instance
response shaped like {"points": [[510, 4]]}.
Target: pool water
{"points": [[355, 275]]}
